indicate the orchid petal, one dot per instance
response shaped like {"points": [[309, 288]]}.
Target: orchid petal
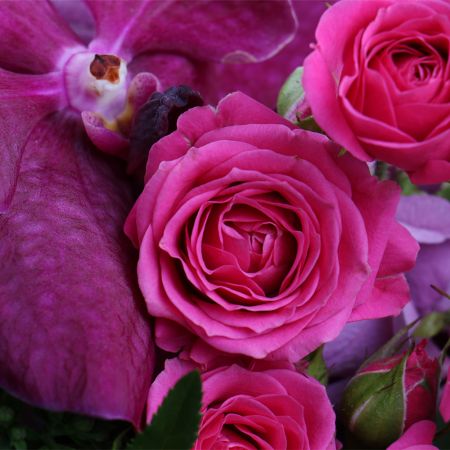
{"points": [[34, 38], [231, 31], [73, 335], [220, 79], [24, 100]]}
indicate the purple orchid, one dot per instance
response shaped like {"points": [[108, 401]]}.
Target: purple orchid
{"points": [[74, 335], [260, 80], [427, 217]]}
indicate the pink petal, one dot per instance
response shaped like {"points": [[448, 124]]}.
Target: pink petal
{"points": [[73, 336], [24, 100], [34, 38], [321, 94], [231, 31], [106, 140], [436, 171], [417, 437], [217, 80]]}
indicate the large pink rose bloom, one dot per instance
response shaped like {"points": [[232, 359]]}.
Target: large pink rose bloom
{"points": [[259, 239], [378, 82], [269, 409]]}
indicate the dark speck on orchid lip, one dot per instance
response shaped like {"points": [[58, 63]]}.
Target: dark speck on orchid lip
{"points": [[106, 67]]}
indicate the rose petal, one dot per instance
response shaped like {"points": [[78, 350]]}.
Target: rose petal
{"points": [[417, 437], [321, 95], [73, 335]]}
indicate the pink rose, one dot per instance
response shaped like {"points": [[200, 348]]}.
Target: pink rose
{"points": [[270, 409], [418, 437], [378, 82], [256, 238]]}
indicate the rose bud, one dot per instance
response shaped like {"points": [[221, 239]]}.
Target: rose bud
{"points": [[389, 395]]}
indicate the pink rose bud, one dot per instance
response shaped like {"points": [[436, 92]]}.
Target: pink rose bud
{"points": [[387, 396]]}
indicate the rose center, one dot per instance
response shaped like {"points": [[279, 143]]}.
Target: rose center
{"points": [[96, 83]]}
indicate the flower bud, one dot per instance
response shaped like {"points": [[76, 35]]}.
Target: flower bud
{"points": [[389, 395]]}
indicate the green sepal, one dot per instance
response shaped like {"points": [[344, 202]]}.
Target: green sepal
{"points": [[175, 424], [373, 406], [407, 187], [317, 367], [444, 192], [432, 324], [290, 97], [291, 93]]}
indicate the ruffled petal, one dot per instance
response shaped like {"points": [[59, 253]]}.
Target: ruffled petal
{"points": [[73, 336]]}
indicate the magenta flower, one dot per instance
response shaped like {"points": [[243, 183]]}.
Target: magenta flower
{"points": [[73, 335], [272, 407]]}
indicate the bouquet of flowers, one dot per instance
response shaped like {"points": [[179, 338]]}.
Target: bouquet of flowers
{"points": [[225, 224]]}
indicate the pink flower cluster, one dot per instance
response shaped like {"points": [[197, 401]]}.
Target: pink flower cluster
{"points": [[256, 241]]}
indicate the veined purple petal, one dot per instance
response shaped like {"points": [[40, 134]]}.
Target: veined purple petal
{"points": [[78, 16], [263, 80], [34, 38], [427, 217], [24, 100], [220, 30], [73, 336]]}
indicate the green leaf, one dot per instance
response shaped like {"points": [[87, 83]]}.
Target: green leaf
{"points": [[407, 187], [309, 124], [175, 424], [445, 191], [291, 93], [317, 367]]}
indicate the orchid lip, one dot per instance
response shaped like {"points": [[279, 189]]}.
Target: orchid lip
{"points": [[97, 83]]}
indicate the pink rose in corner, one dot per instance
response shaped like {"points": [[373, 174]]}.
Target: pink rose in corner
{"points": [[378, 82], [256, 238], [273, 408]]}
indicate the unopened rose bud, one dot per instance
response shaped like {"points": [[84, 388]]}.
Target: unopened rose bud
{"points": [[387, 396]]}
